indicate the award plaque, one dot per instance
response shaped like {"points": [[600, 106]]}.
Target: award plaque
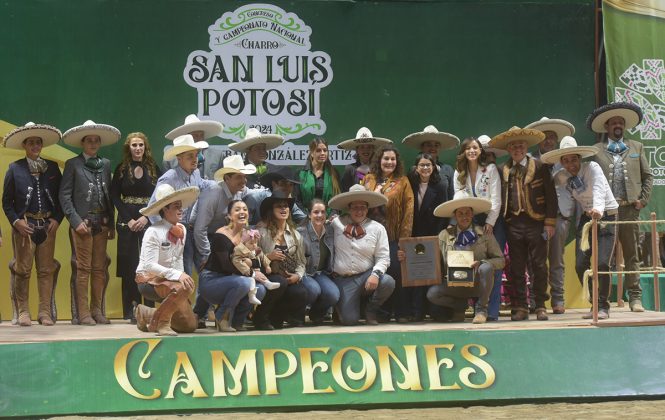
{"points": [[460, 269], [422, 266]]}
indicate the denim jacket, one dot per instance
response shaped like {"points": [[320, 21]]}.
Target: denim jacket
{"points": [[312, 251]]}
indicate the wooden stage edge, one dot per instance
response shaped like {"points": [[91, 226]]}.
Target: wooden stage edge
{"points": [[121, 329]]}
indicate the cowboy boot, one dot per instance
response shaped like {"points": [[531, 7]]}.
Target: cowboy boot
{"points": [[162, 315], [143, 315], [164, 329], [45, 288], [98, 285], [224, 324], [20, 289]]}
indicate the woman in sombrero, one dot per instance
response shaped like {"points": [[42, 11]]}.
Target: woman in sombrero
{"points": [[364, 145], [387, 177], [160, 275]]}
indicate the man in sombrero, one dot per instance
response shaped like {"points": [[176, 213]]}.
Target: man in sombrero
{"points": [[487, 257], [86, 202], [529, 206], [255, 146], [30, 202], [433, 142], [555, 129], [627, 171], [362, 256], [208, 159], [364, 144], [586, 184], [160, 274]]}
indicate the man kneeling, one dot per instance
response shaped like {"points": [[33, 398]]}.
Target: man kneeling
{"points": [[362, 256], [160, 274], [487, 257]]}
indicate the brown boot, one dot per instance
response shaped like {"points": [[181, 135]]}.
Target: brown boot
{"points": [[224, 324], [87, 320], [46, 321], [143, 315], [100, 319], [24, 319], [520, 314], [164, 328], [541, 314]]}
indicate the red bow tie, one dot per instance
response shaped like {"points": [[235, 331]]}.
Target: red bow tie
{"points": [[176, 233], [354, 230]]}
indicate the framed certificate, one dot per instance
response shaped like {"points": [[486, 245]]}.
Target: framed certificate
{"points": [[422, 266], [460, 269]]}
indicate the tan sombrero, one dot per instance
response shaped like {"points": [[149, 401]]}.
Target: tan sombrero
{"points": [[192, 123], [254, 136], [357, 193], [447, 209], [529, 135], [15, 138], [107, 133], [363, 136], [233, 164], [165, 195], [568, 146], [484, 141], [562, 128], [430, 133], [631, 113], [184, 144]]}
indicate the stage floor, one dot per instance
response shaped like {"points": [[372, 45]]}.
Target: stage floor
{"points": [[120, 329]]}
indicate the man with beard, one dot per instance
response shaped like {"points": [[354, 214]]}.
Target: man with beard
{"points": [[627, 170]]}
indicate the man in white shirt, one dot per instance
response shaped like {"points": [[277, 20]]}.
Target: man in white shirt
{"points": [[362, 256], [160, 274], [586, 184]]}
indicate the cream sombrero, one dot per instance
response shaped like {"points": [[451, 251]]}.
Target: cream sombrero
{"points": [[484, 141], [562, 128], [107, 133], [254, 136], [631, 113], [447, 209], [49, 135], [165, 195], [529, 135], [357, 193], [184, 144], [363, 136], [233, 164], [193, 123], [430, 133], [568, 146]]}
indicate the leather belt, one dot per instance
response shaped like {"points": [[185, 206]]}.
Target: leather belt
{"points": [[344, 275], [98, 212], [623, 203], [611, 212], [38, 215], [135, 200]]}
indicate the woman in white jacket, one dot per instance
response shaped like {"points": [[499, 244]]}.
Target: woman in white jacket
{"points": [[476, 175]]}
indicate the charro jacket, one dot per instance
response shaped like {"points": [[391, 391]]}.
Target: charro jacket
{"points": [[19, 191]]}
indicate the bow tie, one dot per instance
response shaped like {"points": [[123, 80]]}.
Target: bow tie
{"points": [[354, 230], [616, 147], [176, 233], [466, 238], [37, 166], [94, 163], [261, 169]]}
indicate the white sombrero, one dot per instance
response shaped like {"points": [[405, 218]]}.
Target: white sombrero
{"points": [[430, 133], [184, 144], [233, 164], [447, 209], [192, 123], [254, 136], [631, 113], [165, 195], [562, 128], [484, 141], [363, 136], [529, 135], [15, 138], [357, 193], [568, 146], [107, 133]]}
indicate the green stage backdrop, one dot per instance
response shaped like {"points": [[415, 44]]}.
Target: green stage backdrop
{"points": [[300, 68], [634, 34]]}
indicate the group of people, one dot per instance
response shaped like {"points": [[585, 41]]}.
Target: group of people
{"points": [[279, 247]]}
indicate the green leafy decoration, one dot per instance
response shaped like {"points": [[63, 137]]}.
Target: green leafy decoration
{"points": [[280, 129]]}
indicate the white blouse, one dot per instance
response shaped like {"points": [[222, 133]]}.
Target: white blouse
{"points": [[488, 186]]}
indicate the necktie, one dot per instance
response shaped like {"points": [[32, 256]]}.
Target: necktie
{"points": [[574, 182], [354, 230], [466, 238], [176, 233], [616, 147], [94, 163]]}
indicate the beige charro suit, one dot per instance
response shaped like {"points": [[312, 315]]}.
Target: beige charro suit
{"points": [[639, 182]]}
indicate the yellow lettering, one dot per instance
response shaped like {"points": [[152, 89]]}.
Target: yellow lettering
{"points": [[271, 369], [486, 368], [368, 370], [246, 363], [120, 368], [191, 383], [410, 372], [434, 366], [308, 369]]}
